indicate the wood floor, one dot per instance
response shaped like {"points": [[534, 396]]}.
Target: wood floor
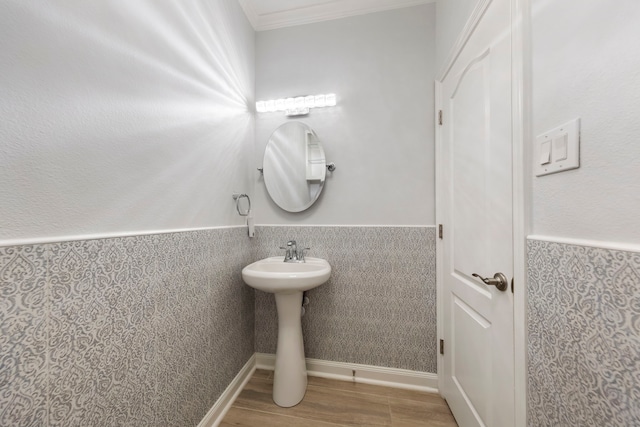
{"points": [[330, 403]]}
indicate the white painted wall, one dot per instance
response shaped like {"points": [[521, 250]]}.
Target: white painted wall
{"points": [[451, 17], [381, 133], [586, 63], [122, 117]]}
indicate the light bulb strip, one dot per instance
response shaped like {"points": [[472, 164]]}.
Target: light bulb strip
{"points": [[298, 105]]}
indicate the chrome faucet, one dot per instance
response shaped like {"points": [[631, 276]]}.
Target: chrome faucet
{"points": [[292, 251], [293, 254]]}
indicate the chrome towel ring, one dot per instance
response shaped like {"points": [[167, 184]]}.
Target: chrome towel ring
{"points": [[237, 198]]}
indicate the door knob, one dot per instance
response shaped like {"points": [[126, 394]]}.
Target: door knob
{"points": [[499, 281]]}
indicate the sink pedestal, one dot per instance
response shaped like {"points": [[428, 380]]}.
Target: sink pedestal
{"points": [[288, 280], [290, 376]]}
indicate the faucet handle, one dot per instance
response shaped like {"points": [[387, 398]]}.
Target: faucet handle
{"points": [[301, 253]]}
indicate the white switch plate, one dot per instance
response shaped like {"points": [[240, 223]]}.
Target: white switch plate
{"points": [[565, 149]]}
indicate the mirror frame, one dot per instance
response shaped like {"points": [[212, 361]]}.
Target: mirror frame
{"points": [[271, 173]]}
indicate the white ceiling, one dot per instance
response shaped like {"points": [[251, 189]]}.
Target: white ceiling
{"points": [[270, 14]]}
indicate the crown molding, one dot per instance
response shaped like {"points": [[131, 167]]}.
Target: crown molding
{"points": [[249, 12], [321, 12]]}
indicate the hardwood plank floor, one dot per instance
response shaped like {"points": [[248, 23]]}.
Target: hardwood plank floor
{"points": [[330, 403]]}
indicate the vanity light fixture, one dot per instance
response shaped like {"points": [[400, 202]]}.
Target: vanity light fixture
{"points": [[298, 106]]}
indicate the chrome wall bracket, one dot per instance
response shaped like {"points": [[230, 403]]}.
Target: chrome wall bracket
{"points": [[330, 167]]}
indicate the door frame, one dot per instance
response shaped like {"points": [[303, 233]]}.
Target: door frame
{"points": [[521, 181]]}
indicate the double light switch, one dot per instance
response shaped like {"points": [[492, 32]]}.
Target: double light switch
{"points": [[558, 149]]}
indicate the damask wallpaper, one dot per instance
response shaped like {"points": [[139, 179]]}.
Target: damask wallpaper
{"points": [[583, 336], [124, 331], [149, 330], [378, 308], [144, 330]]}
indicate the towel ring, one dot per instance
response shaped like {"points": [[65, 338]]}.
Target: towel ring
{"points": [[237, 198]]}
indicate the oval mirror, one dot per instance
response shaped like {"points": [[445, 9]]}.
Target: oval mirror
{"points": [[294, 167]]}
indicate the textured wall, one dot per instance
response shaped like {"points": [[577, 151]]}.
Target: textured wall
{"points": [[122, 117], [583, 336], [584, 302], [144, 330], [585, 64], [380, 135], [378, 308]]}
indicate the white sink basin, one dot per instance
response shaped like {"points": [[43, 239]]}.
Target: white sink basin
{"points": [[274, 275]]}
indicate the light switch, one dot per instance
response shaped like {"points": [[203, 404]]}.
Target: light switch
{"points": [[545, 153], [558, 150], [560, 147]]}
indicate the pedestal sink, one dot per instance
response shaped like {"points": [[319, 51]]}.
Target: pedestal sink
{"points": [[287, 280]]}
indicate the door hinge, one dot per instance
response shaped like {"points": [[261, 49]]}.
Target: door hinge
{"points": [[440, 232], [440, 117], [441, 346]]}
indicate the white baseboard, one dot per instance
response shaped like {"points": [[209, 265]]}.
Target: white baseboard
{"points": [[226, 399], [366, 374], [265, 361]]}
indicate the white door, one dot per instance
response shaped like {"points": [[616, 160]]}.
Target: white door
{"points": [[476, 211]]}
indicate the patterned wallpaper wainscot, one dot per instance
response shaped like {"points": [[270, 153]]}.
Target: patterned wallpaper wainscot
{"points": [[583, 336], [144, 330], [378, 308]]}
